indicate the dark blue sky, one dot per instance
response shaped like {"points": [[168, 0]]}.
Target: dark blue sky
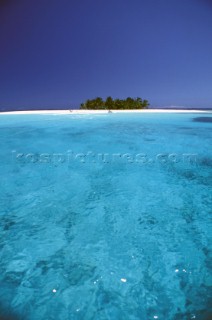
{"points": [[57, 53]]}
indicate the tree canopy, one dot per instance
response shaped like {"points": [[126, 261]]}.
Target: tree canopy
{"points": [[114, 104]]}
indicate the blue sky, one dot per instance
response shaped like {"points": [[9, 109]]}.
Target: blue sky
{"points": [[59, 53]]}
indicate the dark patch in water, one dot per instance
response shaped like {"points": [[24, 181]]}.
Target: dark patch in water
{"points": [[202, 119], [149, 140], [78, 274], [199, 314], [9, 317], [194, 176], [147, 222], [9, 225], [6, 313], [186, 128], [205, 162], [189, 175]]}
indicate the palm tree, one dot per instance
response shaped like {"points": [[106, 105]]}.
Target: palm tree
{"points": [[109, 103], [145, 104]]}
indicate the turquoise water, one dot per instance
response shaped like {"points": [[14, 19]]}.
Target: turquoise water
{"points": [[105, 216]]}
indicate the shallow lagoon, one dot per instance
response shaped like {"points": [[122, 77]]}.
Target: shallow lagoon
{"points": [[105, 216]]}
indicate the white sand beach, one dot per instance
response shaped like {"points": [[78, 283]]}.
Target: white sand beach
{"points": [[102, 111]]}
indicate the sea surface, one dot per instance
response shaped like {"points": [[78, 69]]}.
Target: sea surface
{"points": [[106, 216]]}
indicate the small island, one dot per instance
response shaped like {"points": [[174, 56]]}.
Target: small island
{"points": [[114, 104]]}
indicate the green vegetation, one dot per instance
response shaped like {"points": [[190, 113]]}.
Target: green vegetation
{"points": [[116, 104]]}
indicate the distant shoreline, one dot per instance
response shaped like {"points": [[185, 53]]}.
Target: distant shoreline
{"points": [[74, 111]]}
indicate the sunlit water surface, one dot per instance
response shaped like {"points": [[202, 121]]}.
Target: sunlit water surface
{"points": [[123, 236]]}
